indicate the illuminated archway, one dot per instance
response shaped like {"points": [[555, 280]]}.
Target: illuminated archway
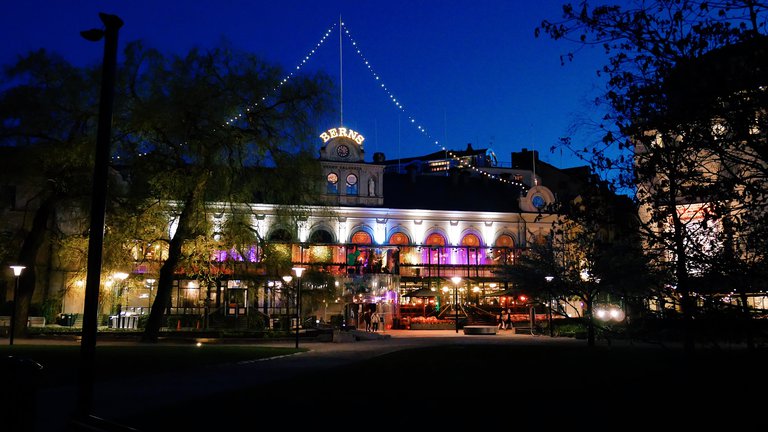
{"points": [[361, 238], [399, 238], [504, 249], [469, 253], [435, 253]]}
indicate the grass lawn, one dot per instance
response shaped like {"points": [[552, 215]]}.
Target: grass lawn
{"points": [[60, 362]]}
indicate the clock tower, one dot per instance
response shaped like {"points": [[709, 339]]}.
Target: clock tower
{"points": [[348, 179]]}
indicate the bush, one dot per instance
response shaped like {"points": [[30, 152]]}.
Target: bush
{"points": [[569, 327]]}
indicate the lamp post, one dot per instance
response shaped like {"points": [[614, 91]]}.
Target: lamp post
{"points": [[112, 24], [456, 281], [549, 279], [287, 283], [298, 271], [16, 273]]}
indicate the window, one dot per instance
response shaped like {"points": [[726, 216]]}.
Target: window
{"points": [[399, 239], [332, 184], [351, 184], [321, 236], [361, 237]]}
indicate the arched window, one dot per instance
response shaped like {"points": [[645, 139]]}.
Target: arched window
{"points": [[361, 237], [503, 253], [332, 184], [321, 236], [435, 239], [470, 240], [352, 186], [399, 238], [280, 234], [468, 254], [435, 252]]}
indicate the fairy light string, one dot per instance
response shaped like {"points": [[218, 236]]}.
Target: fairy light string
{"points": [[412, 121], [288, 77], [391, 96]]}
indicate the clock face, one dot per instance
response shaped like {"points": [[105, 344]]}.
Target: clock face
{"points": [[351, 179], [538, 201], [342, 150]]}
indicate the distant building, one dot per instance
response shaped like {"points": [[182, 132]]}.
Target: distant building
{"points": [[381, 230]]}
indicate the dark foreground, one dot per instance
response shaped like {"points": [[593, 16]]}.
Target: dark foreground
{"points": [[469, 386], [431, 380]]}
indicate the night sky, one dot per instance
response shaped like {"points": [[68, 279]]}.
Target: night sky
{"points": [[466, 71]]}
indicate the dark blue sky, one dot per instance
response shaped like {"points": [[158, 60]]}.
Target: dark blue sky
{"points": [[467, 71]]}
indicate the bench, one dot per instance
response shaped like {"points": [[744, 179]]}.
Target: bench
{"points": [[480, 329], [36, 321]]}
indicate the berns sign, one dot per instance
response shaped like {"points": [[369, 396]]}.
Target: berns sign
{"points": [[341, 132]]}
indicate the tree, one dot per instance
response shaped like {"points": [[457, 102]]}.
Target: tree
{"points": [[47, 129], [676, 150], [209, 132], [592, 245]]}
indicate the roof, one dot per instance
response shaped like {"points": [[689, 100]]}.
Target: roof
{"points": [[455, 191]]}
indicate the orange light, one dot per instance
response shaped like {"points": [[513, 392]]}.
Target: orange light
{"points": [[523, 298]]}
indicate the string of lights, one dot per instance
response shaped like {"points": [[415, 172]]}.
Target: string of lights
{"points": [[289, 76], [411, 120], [282, 82], [398, 105]]}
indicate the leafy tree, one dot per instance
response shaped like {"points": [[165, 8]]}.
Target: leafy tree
{"points": [[205, 133], [671, 132], [591, 248], [47, 129]]}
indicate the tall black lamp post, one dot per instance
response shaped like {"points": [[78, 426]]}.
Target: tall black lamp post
{"points": [[298, 271], [456, 281], [112, 24], [16, 273]]}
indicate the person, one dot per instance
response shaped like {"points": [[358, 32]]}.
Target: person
{"points": [[367, 320], [375, 321], [500, 318], [508, 321]]}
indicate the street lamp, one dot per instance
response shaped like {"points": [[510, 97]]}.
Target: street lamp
{"points": [[549, 279], [456, 281], [298, 271], [16, 273], [112, 24], [287, 283]]}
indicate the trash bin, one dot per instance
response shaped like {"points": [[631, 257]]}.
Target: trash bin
{"points": [[69, 320], [18, 400]]}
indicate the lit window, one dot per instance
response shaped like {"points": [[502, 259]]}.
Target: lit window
{"points": [[351, 184], [332, 184]]}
